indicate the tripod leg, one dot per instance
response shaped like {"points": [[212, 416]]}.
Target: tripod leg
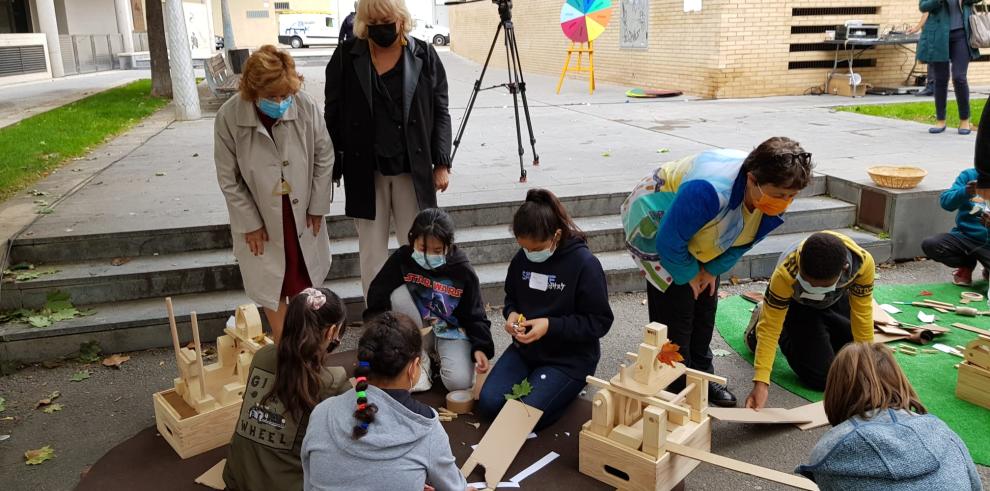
{"points": [[510, 61], [522, 90], [474, 96]]}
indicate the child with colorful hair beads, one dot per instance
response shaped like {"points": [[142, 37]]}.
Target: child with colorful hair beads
{"points": [[556, 310], [376, 436], [285, 382], [432, 282]]}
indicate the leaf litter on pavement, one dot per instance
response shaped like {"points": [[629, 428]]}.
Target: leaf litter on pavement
{"points": [[37, 456], [58, 307]]}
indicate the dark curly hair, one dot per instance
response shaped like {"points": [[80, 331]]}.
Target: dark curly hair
{"points": [[823, 257], [390, 341]]}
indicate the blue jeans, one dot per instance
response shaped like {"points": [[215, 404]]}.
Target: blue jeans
{"points": [[553, 390], [959, 59]]}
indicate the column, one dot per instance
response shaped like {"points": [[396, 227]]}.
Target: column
{"points": [[209, 19], [125, 24], [228, 29], [49, 26], [185, 97]]}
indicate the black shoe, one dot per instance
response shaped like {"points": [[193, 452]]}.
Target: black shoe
{"points": [[924, 93], [719, 395]]}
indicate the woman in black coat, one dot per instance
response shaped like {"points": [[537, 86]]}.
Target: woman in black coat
{"points": [[386, 110]]}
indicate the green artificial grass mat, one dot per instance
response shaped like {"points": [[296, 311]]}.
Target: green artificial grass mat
{"points": [[932, 375]]}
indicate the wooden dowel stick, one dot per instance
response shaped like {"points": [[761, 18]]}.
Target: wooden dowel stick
{"points": [[682, 394], [175, 332], [740, 466], [199, 355]]}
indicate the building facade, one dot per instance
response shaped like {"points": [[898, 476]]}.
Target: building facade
{"points": [[707, 48]]}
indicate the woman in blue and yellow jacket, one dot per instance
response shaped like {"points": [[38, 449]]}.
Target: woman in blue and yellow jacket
{"points": [[692, 219]]}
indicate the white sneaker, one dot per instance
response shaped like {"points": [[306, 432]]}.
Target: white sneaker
{"points": [[424, 384]]}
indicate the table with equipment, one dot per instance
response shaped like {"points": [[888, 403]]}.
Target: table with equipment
{"points": [[856, 47]]}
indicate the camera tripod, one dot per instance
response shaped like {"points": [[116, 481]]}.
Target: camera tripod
{"points": [[516, 85]]}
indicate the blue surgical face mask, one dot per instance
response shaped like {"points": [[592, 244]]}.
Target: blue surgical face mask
{"points": [[274, 110], [428, 261], [816, 290], [539, 256]]}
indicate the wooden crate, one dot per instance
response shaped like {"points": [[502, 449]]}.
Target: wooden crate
{"points": [[974, 385], [188, 432], [633, 470]]}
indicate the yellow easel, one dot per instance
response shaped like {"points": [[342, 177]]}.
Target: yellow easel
{"points": [[580, 49]]}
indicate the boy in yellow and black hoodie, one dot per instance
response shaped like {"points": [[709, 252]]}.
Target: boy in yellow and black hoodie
{"points": [[820, 297]]}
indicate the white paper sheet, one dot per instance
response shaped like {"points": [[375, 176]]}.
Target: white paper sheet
{"points": [[550, 457], [484, 485], [890, 309], [926, 318]]}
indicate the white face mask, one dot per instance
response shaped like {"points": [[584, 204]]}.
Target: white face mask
{"points": [[815, 292]]}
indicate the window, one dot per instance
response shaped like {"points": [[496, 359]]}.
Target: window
{"points": [[257, 14], [281, 5], [329, 21], [835, 11]]}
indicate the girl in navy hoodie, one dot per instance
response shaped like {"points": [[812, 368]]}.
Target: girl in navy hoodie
{"points": [[556, 310], [432, 282]]}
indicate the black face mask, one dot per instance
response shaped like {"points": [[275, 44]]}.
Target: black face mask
{"points": [[383, 34]]}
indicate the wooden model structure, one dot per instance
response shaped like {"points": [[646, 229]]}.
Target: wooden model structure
{"points": [[642, 437], [200, 412], [974, 373]]}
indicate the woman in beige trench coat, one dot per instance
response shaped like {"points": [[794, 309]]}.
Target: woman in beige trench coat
{"points": [[274, 161]]}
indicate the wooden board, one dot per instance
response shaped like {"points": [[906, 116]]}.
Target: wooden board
{"points": [[767, 415], [816, 411], [966, 327], [213, 478], [502, 441], [743, 467]]}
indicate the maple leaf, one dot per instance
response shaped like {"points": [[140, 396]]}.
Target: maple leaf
{"points": [[79, 376], [48, 400], [520, 390], [115, 360], [669, 354], [35, 457], [51, 408], [925, 293]]}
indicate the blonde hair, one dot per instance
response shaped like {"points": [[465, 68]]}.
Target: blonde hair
{"points": [[865, 377], [378, 11], [269, 71]]}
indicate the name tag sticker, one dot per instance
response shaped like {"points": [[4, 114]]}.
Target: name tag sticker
{"points": [[539, 281]]}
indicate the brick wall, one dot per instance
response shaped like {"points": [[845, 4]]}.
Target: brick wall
{"points": [[732, 48]]}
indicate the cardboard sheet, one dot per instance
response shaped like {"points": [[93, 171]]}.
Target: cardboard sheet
{"points": [[767, 415], [502, 441], [880, 316]]}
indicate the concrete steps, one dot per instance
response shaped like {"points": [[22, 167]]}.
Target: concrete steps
{"points": [[142, 323], [195, 266], [96, 281]]}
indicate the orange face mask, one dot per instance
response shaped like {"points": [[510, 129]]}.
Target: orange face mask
{"points": [[770, 205]]}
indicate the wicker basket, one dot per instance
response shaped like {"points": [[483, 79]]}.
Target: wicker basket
{"points": [[897, 177]]}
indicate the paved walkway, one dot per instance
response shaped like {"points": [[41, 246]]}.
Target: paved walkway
{"points": [[598, 143], [20, 101]]}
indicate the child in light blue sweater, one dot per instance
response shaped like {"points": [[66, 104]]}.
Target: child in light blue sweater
{"points": [[882, 436]]}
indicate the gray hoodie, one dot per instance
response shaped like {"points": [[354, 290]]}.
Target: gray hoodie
{"points": [[402, 450], [892, 450]]}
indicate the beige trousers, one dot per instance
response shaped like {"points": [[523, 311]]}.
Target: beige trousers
{"points": [[395, 200]]}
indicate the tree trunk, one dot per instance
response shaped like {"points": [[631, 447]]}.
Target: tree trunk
{"points": [[161, 80]]}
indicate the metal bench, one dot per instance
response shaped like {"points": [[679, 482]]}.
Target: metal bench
{"points": [[221, 80]]}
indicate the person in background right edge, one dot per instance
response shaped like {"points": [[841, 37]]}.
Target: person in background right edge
{"points": [[944, 41], [967, 243]]}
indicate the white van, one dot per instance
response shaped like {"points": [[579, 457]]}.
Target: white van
{"points": [[431, 33], [301, 30]]}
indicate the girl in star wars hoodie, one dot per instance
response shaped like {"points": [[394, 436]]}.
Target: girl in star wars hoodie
{"points": [[556, 310], [432, 281]]}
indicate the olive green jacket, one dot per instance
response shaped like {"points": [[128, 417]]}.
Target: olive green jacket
{"points": [[934, 43]]}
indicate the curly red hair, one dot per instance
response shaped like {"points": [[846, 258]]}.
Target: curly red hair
{"points": [[269, 71]]}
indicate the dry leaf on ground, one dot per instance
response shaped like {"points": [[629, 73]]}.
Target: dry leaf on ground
{"points": [[48, 400], [115, 361], [37, 456], [119, 261], [51, 408], [80, 376]]}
